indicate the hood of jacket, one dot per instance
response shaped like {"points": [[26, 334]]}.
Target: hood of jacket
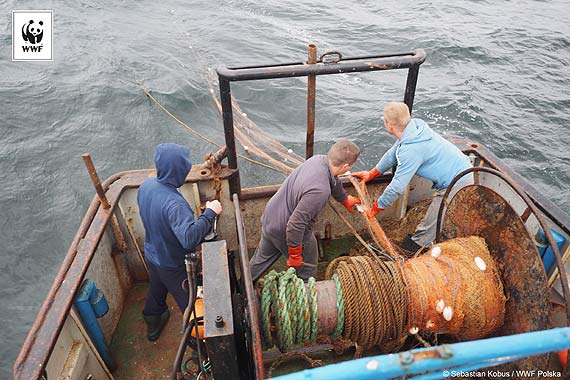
{"points": [[416, 131], [172, 162]]}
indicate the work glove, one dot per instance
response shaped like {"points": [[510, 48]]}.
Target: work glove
{"points": [[367, 176], [295, 259], [374, 210], [350, 202]]}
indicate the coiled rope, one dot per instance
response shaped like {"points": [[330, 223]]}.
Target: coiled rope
{"points": [[287, 305]]}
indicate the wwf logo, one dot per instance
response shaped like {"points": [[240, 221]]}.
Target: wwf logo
{"points": [[32, 32], [32, 35]]}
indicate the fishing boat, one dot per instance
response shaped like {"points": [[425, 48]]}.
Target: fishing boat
{"points": [[91, 327]]}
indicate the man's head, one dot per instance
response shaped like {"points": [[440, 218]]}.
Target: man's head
{"points": [[172, 163], [396, 117], [342, 155]]}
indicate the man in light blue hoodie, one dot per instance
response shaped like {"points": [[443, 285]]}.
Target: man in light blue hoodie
{"points": [[171, 231], [418, 150]]}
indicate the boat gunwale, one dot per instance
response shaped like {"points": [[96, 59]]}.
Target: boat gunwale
{"points": [[40, 341]]}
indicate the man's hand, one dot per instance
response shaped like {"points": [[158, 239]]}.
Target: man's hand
{"points": [[215, 206], [374, 210], [350, 202], [295, 259], [367, 176]]}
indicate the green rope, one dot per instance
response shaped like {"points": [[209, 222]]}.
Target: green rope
{"points": [[269, 287], [339, 307], [314, 309], [285, 337], [302, 303], [294, 309]]}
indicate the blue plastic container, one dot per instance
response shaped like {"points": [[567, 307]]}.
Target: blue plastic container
{"points": [[546, 251], [91, 304]]}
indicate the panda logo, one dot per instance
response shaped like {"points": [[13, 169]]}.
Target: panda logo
{"points": [[33, 32]]}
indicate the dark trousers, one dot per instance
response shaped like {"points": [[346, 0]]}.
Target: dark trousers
{"points": [[271, 248], [163, 281]]}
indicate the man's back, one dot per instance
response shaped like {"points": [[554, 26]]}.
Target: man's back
{"points": [[312, 180], [161, 245]]}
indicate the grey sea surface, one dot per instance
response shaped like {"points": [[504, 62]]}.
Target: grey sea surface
{"points": [[497, 72]]}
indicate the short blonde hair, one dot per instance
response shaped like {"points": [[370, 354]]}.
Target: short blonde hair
{"points": [[343, 152], [397, 113]]}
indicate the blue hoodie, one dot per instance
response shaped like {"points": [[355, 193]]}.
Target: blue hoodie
{"points": [[168, 220], [423, 152]]}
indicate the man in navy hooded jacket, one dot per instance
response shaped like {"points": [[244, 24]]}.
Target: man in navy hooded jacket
{"points": [[170, 233]]}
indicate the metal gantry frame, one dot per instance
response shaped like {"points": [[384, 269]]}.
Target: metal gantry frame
{"points": [[410, 60]]}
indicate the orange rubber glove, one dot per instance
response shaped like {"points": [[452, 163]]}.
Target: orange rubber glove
{"points": [[295, 259], [350, 202], [367, 176], [374, 210]]}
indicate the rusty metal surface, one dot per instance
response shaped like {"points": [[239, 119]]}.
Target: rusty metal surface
{"points": [[327, 313], [477, 210], [252, 306], [311, 96], [95, 179], [544, 204], [41, 339]]}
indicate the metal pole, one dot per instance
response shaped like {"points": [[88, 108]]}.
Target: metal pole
{"points": [[95, 179], [227, 115], [311, 95], [411, 86]]}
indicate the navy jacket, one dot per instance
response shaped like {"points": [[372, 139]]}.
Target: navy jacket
{"points": [[168, 220]]}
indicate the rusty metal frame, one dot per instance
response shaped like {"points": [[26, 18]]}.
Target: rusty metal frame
{"points": [[41, 339], [251, 299], [410, 60], [530, 205]]}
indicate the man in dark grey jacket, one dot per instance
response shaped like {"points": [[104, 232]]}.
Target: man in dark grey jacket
{"points": [[286, 223]]}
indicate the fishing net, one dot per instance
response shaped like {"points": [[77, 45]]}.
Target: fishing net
{"points": [[456, 289]]}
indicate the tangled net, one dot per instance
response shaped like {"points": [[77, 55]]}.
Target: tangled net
{"points": [[455, 289]]}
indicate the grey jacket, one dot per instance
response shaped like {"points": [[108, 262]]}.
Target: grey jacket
{"points": [[291, 212]]}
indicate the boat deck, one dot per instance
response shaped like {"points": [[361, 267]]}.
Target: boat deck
{"points": [[136, 357]]}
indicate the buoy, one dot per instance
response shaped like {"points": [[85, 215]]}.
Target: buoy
{"points": [[480, 263], [439, 306], [447, 313], [436, 251]]}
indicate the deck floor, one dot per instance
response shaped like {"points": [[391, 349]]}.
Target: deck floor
{"points": [[136, 357]]}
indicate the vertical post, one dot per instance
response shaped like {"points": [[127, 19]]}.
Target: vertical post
{"points": [[411, 86], [227, 115], [311, 95], [95, 179], [119, 237]]}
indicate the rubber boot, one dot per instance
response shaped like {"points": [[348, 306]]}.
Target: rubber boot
{"points": [[155, 324], [411, 246]]}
